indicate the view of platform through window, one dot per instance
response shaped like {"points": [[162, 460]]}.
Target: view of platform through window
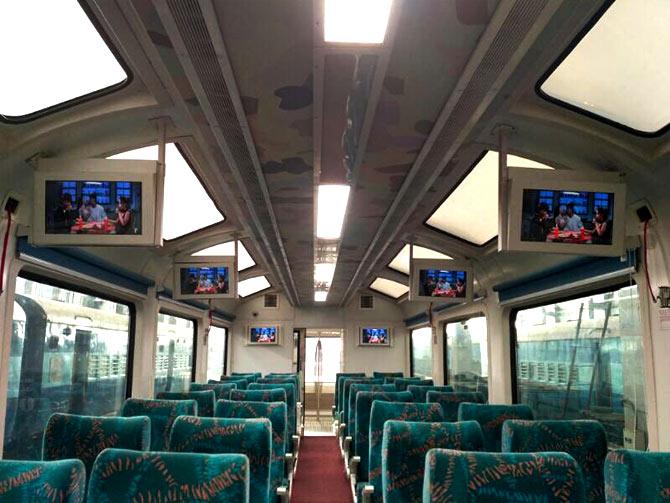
{"points": [[467, 365], [174, 353], [422, 352], [582, 359], [216, 352], [68, 353]]}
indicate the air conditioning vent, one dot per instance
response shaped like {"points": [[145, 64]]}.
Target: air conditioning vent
{"points": [[366, 302], [271, 301]]}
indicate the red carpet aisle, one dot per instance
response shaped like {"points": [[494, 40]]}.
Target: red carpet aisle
{"points": [[320, 477]]}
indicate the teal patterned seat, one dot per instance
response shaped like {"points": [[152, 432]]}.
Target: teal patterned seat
{"points": [[284, 380], [583, 440], [252, 375], [364, 400], [637, 477], [259, 395], [240, 381], [401, 383], [384, 375], [63, 481], [69, 436], [339, 378], [420, 392], [213, 435], [162, 414], [491, 418], [387, 411], [121, 475], [222, 391], [452, 475], [450, 401], [346, 388], [350, 409], [291, 400], [276, 413], [205, 399], [404, 448]]}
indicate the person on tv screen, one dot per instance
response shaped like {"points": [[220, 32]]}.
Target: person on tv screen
{"points": [[541, 223], [221, 284], [574, 222], [460, 288], [84, 210], [96, 212], [561, 218], [602, 231], [204, 283], [191, 284], [124, 220], [65, 214], [429, 286]]}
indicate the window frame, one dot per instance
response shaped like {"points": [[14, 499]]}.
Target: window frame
{"points": [[177, 314], [58, 107], [445, 361]]}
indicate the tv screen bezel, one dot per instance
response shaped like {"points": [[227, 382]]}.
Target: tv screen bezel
{"points": [[387, 344], [108, 170], [445, 265], [521, 179], [205, 261], [277, 326]]}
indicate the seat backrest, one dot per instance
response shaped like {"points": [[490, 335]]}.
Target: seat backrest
{"points": [[350, 409], [491, 418], [384, 375], [252, 375], [291, 400], [404, 448], [339, 377], [259, 395], [419, 392], [69, 436], [281, 380], [241, 381], [276, 413], [214, 435], [637, 477], [387, 411], [204, 398], [364, 400], [63, 481], [162, 414], [452, 475], [451, 400], [124, 475], [583, 440], [346, 388], [222, 391], [401, 383]]}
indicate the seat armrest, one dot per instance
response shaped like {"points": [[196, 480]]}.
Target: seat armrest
{"points": [[368, 491], [296, 444], [346, 447], [289, 463], [353, 469], [283, 494]]}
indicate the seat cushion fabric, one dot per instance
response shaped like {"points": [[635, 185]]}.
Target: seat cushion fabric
{"points": [[491, 418]]}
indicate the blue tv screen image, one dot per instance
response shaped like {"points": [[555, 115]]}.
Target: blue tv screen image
{"points": [[204, 280], [93, 207], [263, 335], [560, 216], [374, 336], [443, 283]]}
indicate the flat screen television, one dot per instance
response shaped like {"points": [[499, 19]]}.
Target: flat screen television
{"points": [[205, 278], [374, 335], [443, 281], [91, 202], [565, 212], [263, 334]]}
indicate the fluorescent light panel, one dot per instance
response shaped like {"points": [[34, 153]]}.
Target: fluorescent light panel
{"points": [[244, 260], [477, 223], [620, 69], [51, 53], [332, 204], [252, 285], [401, 264], [389, 287], [356, 21]]}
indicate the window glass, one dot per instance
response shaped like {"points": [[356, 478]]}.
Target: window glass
{"points": [[174, 353], [68, 353], [467, 365], [216, 352], [422, 352], [582, 359]]}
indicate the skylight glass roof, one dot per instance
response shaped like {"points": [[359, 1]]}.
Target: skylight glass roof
{"points": [[389, 287], [478, 224], [186, 205], [244, 260], [401, 261], [51, 53], [252, 285], [619, 70], [356, 21]]}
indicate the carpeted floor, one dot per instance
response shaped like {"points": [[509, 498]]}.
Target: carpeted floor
{"points": [[320, 477]]}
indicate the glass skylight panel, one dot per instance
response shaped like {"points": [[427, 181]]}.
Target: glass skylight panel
{"points": [[401, 261], [324, 273], [332, 205], [320, 296], [389, 287], [186, 205], [51, 53], [476, 223], [619, 70], [244, 260], [252, 285], [356, 21]]}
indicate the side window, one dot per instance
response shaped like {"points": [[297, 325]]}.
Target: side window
{"points": [[216, 352], [174, 353], [422, 352], [69, 353], [582, 359], [467, 355]]}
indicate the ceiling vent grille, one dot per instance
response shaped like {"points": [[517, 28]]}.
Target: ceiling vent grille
{"points": [[271, 301], [366, 302]]}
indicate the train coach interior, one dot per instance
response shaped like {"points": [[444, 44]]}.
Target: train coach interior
{"points": [[334, 250]]}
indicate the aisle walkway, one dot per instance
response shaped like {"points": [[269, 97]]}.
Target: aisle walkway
{"points": [[320, 477]]}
